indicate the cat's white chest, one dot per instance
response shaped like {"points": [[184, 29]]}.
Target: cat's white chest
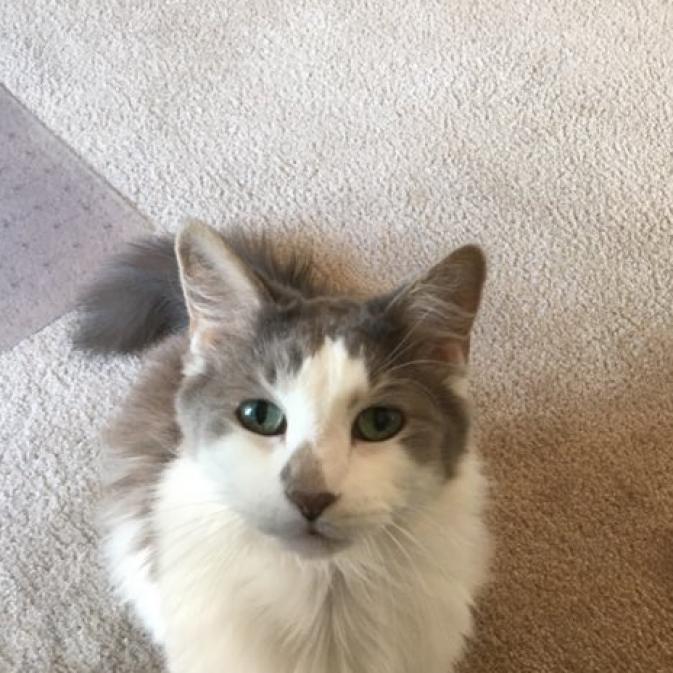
{"points": [[233, 603]]}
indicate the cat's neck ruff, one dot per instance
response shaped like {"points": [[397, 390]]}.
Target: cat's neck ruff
{"points": [[317, 612]]}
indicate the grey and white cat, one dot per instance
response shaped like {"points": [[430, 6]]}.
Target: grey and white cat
{"points": [[290, 487]]}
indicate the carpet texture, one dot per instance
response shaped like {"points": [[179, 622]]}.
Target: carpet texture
{"points": [[387, 132], [57, 612], [58, 223]]}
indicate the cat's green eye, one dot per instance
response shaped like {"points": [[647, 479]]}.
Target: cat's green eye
{"points": [[262, 417], [377, 424]]}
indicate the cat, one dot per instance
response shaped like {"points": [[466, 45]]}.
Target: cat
{"points": [[291, 486]]}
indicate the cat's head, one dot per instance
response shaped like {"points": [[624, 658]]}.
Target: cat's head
{"points": [[322, 420]]}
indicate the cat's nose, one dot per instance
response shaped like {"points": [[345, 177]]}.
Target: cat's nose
{"points": [[311, 505]]}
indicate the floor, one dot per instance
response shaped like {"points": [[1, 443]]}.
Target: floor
{"points": [[383, 133], [59, 221]]}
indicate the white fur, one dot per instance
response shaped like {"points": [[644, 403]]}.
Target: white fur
{"points": [[236, 602], [131, 574], [236, 597]]}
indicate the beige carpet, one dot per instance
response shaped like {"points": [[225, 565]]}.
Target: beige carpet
{"points": [[386, 132]]}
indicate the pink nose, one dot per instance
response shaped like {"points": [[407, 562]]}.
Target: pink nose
{"points": [[311, 505]]}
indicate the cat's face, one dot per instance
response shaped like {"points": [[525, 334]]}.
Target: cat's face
{"points": [[322, 421]]}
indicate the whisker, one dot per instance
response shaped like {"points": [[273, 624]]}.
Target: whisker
{"points": [[411, 565]]}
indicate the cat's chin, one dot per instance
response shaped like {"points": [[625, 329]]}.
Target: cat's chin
{"points": [[311, 544]]}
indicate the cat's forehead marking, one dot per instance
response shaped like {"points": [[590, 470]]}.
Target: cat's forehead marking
{"points": [[287, 336], [322, 389], [318, 399]]}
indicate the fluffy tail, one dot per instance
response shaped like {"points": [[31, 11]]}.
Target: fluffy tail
{"points": [[135, 302]]}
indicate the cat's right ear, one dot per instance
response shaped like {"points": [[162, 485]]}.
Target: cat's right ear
{"points": [[221, 292]]}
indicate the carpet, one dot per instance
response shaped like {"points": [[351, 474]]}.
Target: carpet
{"points": [[59, 222], [386, 133], [58, 615]]}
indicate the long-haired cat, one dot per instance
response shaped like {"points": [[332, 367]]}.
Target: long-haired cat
{"points": [[290, 487]]}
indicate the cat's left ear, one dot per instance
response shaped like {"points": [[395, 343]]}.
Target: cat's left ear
{"points": [[440, 307]]}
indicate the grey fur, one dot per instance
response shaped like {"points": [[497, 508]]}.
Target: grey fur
{"points": [[142, 441], [138, 299]]}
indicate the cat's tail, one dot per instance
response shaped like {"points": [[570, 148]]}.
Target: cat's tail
{"points": [[136, 301]]}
